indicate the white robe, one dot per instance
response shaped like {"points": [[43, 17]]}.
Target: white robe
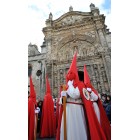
{"points": [[94, 97], [75, 118]]}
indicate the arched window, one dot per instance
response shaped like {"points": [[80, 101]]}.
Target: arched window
{"points": [[29, 70]]}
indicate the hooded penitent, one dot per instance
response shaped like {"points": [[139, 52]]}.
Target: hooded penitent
{"points": [[94, 129], [103, 118], [72, 72], [31, 111], [58, 107], [47, 118]]}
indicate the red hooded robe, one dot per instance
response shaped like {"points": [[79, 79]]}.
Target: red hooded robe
{"points": [[58, 107], [47, 118], [105, 124], [31, 111], [95, 131]]}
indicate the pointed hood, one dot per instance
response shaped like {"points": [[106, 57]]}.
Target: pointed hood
{"points": [[86, 76], [47, 126], [87, 81], [48, 91], [32, 91], [73, 70]]}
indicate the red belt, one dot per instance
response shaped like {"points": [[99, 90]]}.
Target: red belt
{"points": [[75, 103], [94, 101]]}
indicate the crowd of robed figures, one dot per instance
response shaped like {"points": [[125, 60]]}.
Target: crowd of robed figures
{"points": [[82, 117]]}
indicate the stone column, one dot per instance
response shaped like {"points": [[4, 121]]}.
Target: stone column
{"points": [[40, 79], [42, 85], [58, 80], [61, 76], [52, 77], [101, 80], [102, 38], [107, 65], [97, 79], [93, 77], [64, 76]]}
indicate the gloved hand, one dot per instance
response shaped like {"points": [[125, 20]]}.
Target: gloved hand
{"points": [[63, 93], [89, 89], [37, 110], [70, 83]]}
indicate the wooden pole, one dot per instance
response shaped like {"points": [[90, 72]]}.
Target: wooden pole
{"points": [[35, 130], [64, 111]]}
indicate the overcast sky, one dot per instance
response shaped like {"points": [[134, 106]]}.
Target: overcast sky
{"points": [[38, 12]]}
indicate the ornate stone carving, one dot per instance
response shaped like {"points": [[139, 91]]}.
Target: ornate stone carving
{"points": [[92, 6], [82, 32], [70, 8], [50, 16]]}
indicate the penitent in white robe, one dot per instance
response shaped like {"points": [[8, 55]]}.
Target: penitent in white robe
{"points": [[75, 118], [94, 97]]}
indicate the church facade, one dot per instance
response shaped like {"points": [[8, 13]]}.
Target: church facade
{"points": [[84, 32]]}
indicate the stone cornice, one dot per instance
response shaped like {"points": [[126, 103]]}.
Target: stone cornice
{"points": [[90, 21], [71, 14], [37, 57], [65, 28], [79, 59]]}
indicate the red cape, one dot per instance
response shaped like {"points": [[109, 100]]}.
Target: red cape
{"points": [[58, 107], [57, 112], [31, 119], [59, 123], [105, 124], [94, 128], [47, 118], [31, 111]]}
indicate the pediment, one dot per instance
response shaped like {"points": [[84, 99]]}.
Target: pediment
{"points": [[72, 18]]}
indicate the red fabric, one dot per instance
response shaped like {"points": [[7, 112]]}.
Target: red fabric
{"points": [[59, 123], [48, 86], [95, 130], [72, 72], [32, 91], [57, 112], [58, 107], [31, 119], [47, 117], [31, 111], [105, 124]]}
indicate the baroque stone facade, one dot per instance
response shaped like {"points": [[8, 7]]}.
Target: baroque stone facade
{"points": [[85, 32]]}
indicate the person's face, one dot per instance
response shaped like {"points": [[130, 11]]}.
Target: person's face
{"points": [[40, 104], [108, 98]]}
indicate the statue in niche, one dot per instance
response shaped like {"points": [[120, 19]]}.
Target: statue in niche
{"points": [[106, 86], [75, 48], [84, 52], [67, 55]]}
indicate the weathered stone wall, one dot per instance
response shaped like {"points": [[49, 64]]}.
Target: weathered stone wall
{"points": [[81, 31]]}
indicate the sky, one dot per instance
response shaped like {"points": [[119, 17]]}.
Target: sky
{"points": [[38, 12]]}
